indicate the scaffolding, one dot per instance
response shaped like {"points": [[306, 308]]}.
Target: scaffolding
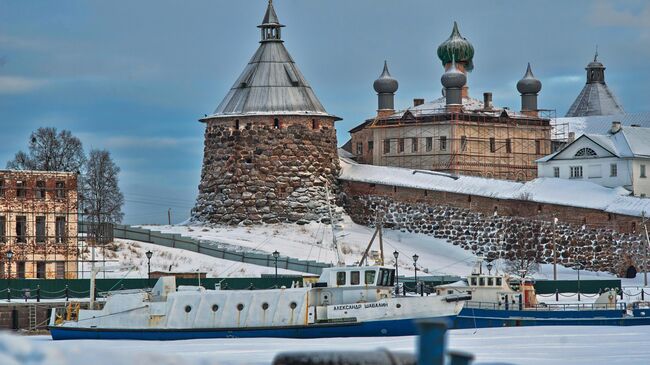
{"points": [[489, 143]]}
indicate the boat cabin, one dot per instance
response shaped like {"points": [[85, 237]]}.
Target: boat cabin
{"points": [[355, 276]]}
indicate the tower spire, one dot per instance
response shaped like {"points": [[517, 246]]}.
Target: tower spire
{"points": [[270, 26]]}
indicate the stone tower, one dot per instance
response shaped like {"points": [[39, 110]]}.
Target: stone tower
{"points": [[270, 146]]}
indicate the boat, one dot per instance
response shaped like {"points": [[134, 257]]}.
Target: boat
{"points": [[346, 301], [498, 300]]}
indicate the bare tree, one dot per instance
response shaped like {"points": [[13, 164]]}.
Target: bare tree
{"points": [[102, 199], [524, 262], [50, 151]]}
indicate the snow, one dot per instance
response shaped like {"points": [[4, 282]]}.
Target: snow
{"points": [[518, 345], [313, 241], [576, 193], [126, 258]]}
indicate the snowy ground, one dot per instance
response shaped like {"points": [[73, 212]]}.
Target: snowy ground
{"points": [[313, 241], [126, 258], [523, 345]]}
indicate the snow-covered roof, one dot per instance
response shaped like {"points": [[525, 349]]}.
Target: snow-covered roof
{"points": [[600, 123], [439, 106], [576, 193], [628, 142]]}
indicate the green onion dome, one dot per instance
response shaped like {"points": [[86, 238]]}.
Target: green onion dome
{"points": [[458, 47]]}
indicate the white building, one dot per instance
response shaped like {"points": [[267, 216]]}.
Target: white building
{"points": [[618, 158]]}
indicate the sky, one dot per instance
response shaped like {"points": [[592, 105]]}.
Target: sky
{"points": [[134, 77]]}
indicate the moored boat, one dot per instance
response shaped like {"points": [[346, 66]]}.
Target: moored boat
{"points": [[502, 301], [345, 302]]}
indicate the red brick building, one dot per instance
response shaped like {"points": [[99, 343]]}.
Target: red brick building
{"points": [[38, 224]]}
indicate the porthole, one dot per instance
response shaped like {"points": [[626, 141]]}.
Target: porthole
{"points": [[399, 305], [188, 308], [325, 296], [215, 307], [240, 307], [265, 306], [293, 305]]}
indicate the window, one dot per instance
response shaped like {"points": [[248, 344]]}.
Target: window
{"points": [[276, 123], [60, 189], [370, 277], [613, 170], [490, 281], [340, 278], [370, 146], [21, 229], [40, 269], [237, 124], [385, 277], [60, 230], [538, 147], [401, 145], [40, 229], [355, 277], [463, 143], [508, 146], [493, 144], [314, 124], [2, 188], [40, 189], [387, 146], [498, 281], [443, 143], [20, 269], [642, 171], [429, 144], [3, 227], [359, 148], [556, 171], [21, 189], [576, 172], [586, 152], [414, 144], [60, 270]]}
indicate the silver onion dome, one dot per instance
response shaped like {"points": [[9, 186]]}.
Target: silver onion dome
{"points": [[453, 78], [529, 84], [385, 84]]}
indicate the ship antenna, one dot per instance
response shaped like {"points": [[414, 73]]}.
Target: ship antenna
{"points": [[339, 262]]}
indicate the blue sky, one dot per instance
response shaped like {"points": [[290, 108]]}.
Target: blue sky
{"points": [[134, 76]]}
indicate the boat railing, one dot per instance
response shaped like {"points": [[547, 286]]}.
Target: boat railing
{"points": [[544, 307]]}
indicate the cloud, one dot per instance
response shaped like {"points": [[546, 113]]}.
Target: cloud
{"points": [[606, 14], [20, 85]]}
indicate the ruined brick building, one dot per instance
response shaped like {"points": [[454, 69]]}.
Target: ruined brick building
{"points": [[457, 133], [38, 224], [270, 146]]}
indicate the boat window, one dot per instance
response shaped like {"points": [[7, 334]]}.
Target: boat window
{"points": [[340, 278], [498, 281], [472, 281], [392, 277], [490, 281], [355, 277], [385, 277], [450, 292], [481, 281], [370, 277]]}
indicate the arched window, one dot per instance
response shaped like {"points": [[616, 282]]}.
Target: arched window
{"points": [[586, 152]]}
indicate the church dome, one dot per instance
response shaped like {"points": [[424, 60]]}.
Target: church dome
{"points": [[529, 84], [453, 78], [385, 84], [457, 47]]}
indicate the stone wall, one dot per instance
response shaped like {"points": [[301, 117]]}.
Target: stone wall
{"points": [[488, 226], [267, 169]]}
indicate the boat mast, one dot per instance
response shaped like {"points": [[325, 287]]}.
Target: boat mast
{"points": [[339, 262]]}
